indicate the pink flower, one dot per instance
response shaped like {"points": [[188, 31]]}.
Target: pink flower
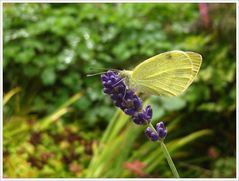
{"points": [[203, 8]]}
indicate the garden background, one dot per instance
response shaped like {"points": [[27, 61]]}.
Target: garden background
{"points": [[59, 123]]}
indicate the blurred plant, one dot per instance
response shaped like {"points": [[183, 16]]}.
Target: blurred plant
{"points": [[117, 142], [28, 143]]}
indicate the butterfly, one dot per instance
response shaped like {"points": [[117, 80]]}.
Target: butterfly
{"points": [[166, 74]]}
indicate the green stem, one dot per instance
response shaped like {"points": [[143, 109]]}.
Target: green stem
{"points": [[152, 127], [169, 159], [166, 154]]}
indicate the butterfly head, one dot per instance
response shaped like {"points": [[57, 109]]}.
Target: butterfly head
{"points": [[127, 76]]}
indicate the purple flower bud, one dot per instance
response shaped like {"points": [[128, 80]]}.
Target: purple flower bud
{"points": [[149, 111], [137, 103], [143, 117], [162, 132], [129, 111], [151, 134], [104, 78]]}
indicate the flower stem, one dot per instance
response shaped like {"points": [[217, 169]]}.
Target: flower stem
{"points": [[152, 127], [166, 154], [169, 159]]}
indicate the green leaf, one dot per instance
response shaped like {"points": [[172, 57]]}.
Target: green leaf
{"points": [[48, 76]]}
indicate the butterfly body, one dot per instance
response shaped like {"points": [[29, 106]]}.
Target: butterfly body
{"points": [[167, 74]]}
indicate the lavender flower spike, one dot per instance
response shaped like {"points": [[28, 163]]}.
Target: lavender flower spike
{"points": [[125, 98]]}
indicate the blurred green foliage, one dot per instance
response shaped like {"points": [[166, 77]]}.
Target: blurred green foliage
{"points": [[50, 48]]}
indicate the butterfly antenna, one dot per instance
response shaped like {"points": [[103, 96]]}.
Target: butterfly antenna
{"points": [[125, 90], [90, 75], [116, 70], [104, 69]]}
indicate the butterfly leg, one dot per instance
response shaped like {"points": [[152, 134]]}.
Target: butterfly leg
{"points": [[118, 82], [125, 90]]}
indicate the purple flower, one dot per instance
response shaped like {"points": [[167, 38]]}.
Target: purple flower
{"points": [[143, 116], [125, 98], [162, 132], [110, 80], [151, 134], [131, 103]]}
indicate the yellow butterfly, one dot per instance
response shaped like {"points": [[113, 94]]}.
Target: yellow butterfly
{"points": [[167, 74]]}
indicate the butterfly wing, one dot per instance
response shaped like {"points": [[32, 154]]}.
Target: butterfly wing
{"points": [[196, 61], [166, 74]]}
